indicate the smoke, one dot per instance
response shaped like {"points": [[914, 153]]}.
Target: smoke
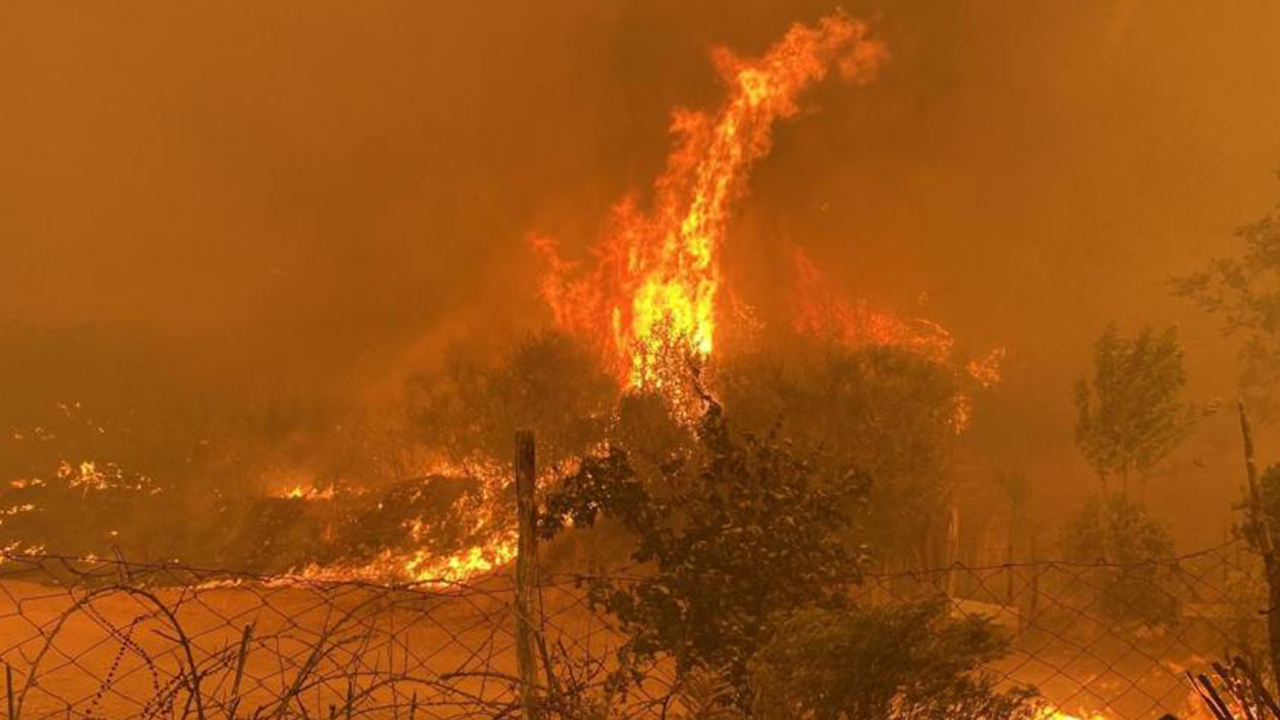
{"points": [[326, 194]]}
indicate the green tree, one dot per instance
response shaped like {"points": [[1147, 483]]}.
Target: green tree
{"points": [[1129, 415], [1244, 291], [737, 534]]}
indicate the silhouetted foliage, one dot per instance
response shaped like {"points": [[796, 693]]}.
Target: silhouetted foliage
{"points": [[1269, 497], [743, 530], [892, 663], [1244, 292], [1139, 585], [548, 382], [1129, 415], [888, 410]]}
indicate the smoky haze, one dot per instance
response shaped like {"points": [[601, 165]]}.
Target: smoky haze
{"points": [[326, 193]]}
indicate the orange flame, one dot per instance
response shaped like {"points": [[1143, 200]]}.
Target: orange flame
{"points": [[496, 537], [651, 299], [821, 312], [1052, 713]]}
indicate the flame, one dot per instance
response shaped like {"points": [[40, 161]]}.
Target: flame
{"points": [[496, 547], [465, 564], [420, 567], [303, 492], [650, 303], [821, 312], [1052, 713], [497, 550]]}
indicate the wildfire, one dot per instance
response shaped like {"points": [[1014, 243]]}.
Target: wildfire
{"points": [[1051, 713], [303, 492], [468, 563], [821, 312], [650, 303], [493, 537], [420, 567]]}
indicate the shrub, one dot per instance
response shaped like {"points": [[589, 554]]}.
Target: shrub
{"points": [[910, 661], [742, 531]]}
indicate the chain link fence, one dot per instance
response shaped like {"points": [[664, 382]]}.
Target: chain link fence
{"points": [[112, 639]]}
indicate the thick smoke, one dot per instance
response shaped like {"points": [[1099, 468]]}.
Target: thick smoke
{"points": [[315, 198]]}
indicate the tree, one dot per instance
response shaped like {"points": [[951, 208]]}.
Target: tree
{"points": [[734, 536], [1244, 291], [893, 663], [1128, 415]]}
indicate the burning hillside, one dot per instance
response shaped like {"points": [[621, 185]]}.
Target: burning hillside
{"points": [[650, 308]]}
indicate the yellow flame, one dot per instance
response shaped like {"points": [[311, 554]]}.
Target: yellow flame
{"points": [[498, 547], [1052, 713], [303, 492], [463, 565]]}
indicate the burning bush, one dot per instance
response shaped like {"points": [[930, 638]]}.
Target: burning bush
{"points": [[349, 528]]}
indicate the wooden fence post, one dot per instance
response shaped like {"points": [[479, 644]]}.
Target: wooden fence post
{"points": [[953, 551], [8, 691], [1034, 566], [1010, 594], [526, 570]]}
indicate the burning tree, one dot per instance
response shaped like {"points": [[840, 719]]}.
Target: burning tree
{"points": [[655, 288], [1129, 417]]}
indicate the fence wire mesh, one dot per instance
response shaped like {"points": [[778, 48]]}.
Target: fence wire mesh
{"points": [[105, 638]]}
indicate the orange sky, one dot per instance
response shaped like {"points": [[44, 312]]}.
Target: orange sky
{"points": [[320, 186]]}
